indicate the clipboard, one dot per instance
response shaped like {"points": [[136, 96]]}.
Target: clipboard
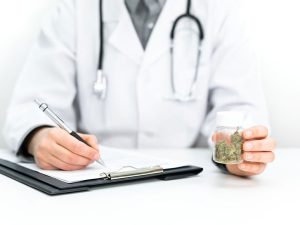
{"points": [[52, 186]]}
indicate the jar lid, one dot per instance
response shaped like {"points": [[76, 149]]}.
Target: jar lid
{"points": [[230, 119]]}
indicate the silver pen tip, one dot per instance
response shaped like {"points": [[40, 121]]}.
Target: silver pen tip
{"points": [[38, 102], [101, 162]]}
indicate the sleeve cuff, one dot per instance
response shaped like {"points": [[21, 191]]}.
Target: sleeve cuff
{"points": [[221, 166], [22, 152]]}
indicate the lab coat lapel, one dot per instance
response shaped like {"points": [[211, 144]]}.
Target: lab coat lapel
{"points": [[159, 41], [124, 38]]}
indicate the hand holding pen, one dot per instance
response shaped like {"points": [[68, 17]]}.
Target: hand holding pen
{"points": [[54, 148]]}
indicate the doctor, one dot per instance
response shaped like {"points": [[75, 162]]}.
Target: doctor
{"points": [[135, 92]]}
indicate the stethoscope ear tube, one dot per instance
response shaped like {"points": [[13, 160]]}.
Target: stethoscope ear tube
{"points": [[176, 96], [195, 19]]}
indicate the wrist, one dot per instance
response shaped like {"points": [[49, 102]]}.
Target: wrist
{"points": [[33, 138]]}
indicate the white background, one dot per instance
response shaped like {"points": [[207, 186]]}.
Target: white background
{"points": [[274, 27]]}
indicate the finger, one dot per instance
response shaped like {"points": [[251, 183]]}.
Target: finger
{"points": [[40, 160], [214, 137], [91, 140], [60, 164], [260, 157], [268, 144], [256, 132], [45, 166], [221, 136], [69, 142], [252, 168], [69, 157]]}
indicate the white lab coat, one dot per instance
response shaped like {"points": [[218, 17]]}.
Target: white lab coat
{"points": [[61, 70]]}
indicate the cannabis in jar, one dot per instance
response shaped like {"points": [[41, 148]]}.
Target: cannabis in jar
{"points": [[228, 150]]}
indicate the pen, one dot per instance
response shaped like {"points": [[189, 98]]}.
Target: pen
{"points": [[55, 118]]}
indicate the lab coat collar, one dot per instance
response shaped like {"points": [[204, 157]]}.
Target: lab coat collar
{"points": [[125, 39]]}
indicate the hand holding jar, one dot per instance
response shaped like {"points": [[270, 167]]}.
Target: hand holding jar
{"points": [[244, 152]]}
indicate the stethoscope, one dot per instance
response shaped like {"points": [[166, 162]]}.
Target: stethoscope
{"points": [[100, 86]]}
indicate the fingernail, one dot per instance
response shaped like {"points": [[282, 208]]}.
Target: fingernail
{"points": [[248, 146], [248, 134]]}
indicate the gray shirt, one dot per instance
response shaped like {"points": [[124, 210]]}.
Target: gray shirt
{"points": [[144, 14]]}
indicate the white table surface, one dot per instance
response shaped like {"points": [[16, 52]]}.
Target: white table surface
{"points": [[210, 198]]}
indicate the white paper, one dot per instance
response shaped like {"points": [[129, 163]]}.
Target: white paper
{"points": [[115, 160]]}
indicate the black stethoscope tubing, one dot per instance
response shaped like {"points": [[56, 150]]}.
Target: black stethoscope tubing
{"points": [[187, 14], [101, 52]]}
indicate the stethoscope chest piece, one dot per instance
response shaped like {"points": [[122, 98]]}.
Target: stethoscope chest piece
{"points": [[100, 86]]}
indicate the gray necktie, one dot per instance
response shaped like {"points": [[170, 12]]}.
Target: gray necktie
{"points": [[147, 13]]}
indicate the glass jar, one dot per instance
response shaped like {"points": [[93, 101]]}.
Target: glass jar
{"points": [[228, 141]]}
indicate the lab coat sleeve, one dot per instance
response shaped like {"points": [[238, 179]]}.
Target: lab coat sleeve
{"points": [[235, 83], [48, 74]]}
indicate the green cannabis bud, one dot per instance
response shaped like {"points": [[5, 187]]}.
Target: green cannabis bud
{"points": [[229, 153]]}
